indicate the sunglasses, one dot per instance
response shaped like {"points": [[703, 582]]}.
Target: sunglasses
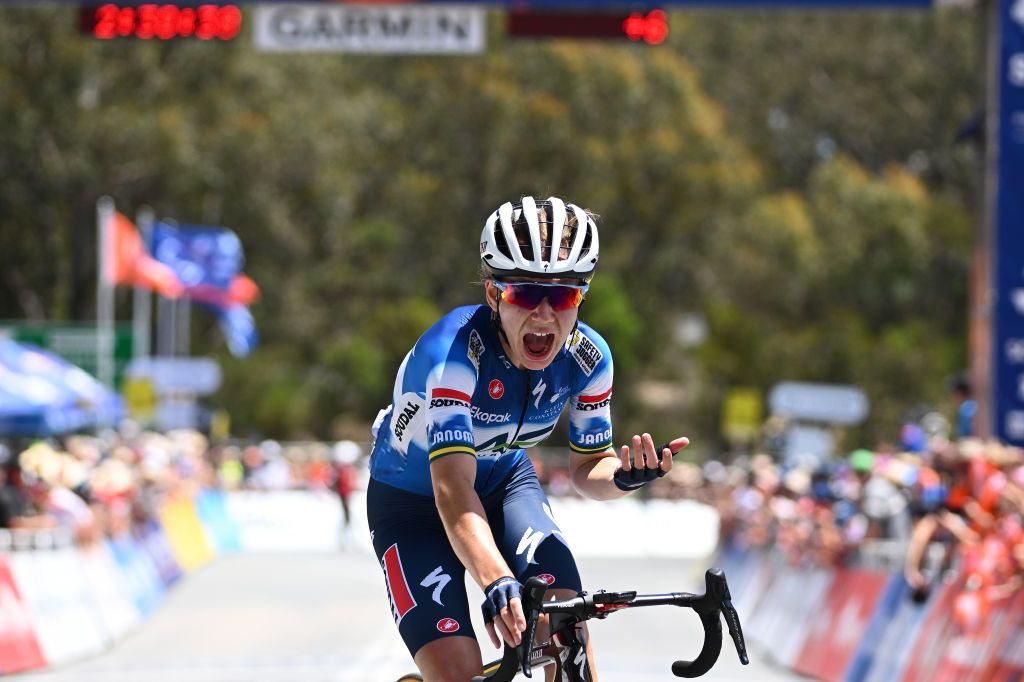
{"points": [[530, 294]]}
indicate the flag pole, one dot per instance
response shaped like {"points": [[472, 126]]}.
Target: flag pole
{"points": [[104, 293], [142, 302]]}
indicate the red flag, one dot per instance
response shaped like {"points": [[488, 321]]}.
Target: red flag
{"points": [[243, 290], [130, 265]]}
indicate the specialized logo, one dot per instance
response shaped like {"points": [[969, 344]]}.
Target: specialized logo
{"points": [[447, 625], [538, 391], [547, 578], [588, 403], [529, 543], [406, 417], [586, 352], [439, 580], [476, 349], [447, 397], [399, 594], [495, 389]]}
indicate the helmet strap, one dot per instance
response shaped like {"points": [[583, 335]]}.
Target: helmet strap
{"points": [[496, 322]]}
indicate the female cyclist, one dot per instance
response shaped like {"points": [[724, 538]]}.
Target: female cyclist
{"points": [[451, 486]]}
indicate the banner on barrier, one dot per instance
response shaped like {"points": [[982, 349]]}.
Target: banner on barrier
{"points": [[110, 590], [53, 588], [139, 575], [185, 534], [19, 648], [838, 627], [890, 635], [946, 653], [1007, 664], [153, 543]]}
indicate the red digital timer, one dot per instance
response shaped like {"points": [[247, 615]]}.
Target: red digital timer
{"points": [[162, 22]]}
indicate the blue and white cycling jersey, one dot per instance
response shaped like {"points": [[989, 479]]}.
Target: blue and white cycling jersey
{"points": [[456, 392]]}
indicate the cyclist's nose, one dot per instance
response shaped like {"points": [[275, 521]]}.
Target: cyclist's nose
{"points": [[544, 309]]}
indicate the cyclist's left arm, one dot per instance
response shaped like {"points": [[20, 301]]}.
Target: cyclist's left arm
{"points": [[594, 460], [640, 463]]}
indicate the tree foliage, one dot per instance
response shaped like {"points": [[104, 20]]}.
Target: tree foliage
{"points": [[792, 180]]}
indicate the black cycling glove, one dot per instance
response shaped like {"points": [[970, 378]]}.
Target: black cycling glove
{"points": [[638, 477], [499, 594]]}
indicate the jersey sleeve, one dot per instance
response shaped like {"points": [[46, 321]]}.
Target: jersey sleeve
{"points": [[590, 420], [449, 390]]}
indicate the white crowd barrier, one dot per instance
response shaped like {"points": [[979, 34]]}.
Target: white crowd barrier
{"points": [[60, 602]]}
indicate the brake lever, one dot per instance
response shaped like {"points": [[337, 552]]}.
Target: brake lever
{"points": [[533, 600], [732, 619]]}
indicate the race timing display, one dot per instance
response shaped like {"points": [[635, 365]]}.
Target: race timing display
{"points": [[151, 21]]}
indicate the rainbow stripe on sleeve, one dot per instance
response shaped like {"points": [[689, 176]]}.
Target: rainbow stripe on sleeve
{"points": [[450, 450]]}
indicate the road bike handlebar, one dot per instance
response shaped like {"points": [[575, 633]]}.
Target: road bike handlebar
{"points": [[715, 600]]}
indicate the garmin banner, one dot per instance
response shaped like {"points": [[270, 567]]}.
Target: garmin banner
{"points": [[1008, 252], [382, 29]]}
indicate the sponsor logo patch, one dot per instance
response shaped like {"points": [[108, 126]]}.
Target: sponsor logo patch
{"points": [[476, 349], [447, 625], [406, 418], [597, 438], [489, 417], [548, 578], [451, 436], [447, 402], [495, 389], [586, 352], [589, 403]]}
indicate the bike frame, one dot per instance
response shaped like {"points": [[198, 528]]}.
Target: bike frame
{"points": [[566, 648]]}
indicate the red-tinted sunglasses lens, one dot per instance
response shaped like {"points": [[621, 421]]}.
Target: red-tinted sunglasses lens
{"points": [[561, 297]]}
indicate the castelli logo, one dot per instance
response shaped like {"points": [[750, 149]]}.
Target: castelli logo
{"points": [[548, 578], [447, 625], [496, 389]]}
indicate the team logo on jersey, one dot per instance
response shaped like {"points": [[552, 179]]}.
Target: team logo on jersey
{"points": [[586, 352], [447, 625], [437, 579], [495, 389], [399, 594], [489, 417], [446, 397], [476, 349], [538, 391], [548, 578], [589, 403], [406, 419]]}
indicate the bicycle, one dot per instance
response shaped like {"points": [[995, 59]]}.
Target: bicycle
{"points": [[566, 649]]}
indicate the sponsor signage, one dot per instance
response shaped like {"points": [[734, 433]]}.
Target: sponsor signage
{"points": [[829, 403], [168, 374], [835, 633], [379, 28], [1008, 241]]}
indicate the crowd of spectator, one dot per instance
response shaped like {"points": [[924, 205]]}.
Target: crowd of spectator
{"points": [[965, 498], [96, 486]]}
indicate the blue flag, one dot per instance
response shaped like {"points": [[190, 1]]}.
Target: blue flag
{"points": [[208, 261]]}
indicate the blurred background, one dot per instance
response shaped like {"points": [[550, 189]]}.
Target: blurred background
{"points": [[224, 226]]}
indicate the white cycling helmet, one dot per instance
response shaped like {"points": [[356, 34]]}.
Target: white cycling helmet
{"points": [[526, 240]]}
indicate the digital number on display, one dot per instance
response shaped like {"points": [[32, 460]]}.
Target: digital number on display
{"points": [[162, 22]]}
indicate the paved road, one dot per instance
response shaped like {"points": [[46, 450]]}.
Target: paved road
{"points": [[324, 618]]}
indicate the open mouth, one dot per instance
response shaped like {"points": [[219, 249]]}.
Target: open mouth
{"points": [[537, 346]]}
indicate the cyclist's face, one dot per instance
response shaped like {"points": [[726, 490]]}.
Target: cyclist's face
{"points": [[535, 335]]}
